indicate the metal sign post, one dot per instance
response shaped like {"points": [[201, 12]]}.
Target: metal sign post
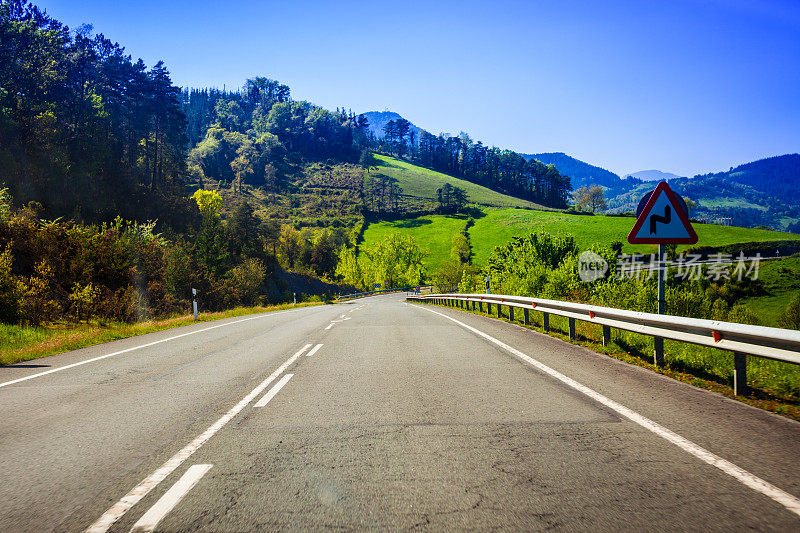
{"points": [[661, 218]]}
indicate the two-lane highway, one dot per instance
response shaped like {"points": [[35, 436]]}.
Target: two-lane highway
{"points": [[379, 414]]}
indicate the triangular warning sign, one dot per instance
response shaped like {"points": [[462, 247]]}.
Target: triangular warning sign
{"points": [[663, 220]]}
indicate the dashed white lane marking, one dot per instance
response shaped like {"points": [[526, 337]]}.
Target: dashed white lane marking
{"points": [[330, 326], [141, 490], [92, 360], [273, 391], [314, 350], [170, 499], [744, 477]]}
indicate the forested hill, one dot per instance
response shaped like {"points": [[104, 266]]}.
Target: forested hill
{"points": [[260, 137], [777, 176], [581, 173], [85, 131]]}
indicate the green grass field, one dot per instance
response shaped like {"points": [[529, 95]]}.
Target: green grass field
{"points": [[433, 233], [419, 181], [499, 225], [781, 279]]}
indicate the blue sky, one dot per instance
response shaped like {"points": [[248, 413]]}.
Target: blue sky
{"points": [[685, 86]]}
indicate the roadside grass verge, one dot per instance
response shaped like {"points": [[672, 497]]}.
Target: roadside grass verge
{"points": [[773, 385], [23, 343]]}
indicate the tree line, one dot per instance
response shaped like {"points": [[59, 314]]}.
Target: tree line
{"points": [[85, 130]]}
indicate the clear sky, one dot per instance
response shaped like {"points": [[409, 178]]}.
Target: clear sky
{"points": [[684, 86]]}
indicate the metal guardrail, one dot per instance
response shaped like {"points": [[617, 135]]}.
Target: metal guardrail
{"points": [[382, 291], [741, 339]]}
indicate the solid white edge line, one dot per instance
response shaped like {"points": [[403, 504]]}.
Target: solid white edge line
{"points": [[92, 360], [118, 510], [273, 391], [790, 502], [170, 499], [314, 350]]}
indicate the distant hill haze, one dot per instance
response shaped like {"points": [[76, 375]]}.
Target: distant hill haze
{"points": [[652, 175], [379, 119]]}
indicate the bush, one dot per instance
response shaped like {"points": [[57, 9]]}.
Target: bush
{"points": [[790, 318], [10, 289], [241, 284]]}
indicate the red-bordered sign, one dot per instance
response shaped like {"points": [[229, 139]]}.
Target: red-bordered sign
{"points": [[663, 220]]}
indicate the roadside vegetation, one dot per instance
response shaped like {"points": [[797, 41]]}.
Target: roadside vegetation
{"points": [[23, 342]]}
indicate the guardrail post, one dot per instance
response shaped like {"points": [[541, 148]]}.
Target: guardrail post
{"points": [[658, 351], [546, 321], [499, 311], [511, 313], [526, 316], [571, 329], [606, 335], [739, 374], [488, 308]]}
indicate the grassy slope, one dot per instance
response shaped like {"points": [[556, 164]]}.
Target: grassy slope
{"points": [[419, 181], [433, 233], [499, 225], [781, 279]]}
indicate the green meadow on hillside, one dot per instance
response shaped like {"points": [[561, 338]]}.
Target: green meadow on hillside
{"points": [[421, 182], [499, 225], [434, 233]]}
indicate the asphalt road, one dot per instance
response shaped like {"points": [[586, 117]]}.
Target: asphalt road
{"points": [[400, 418]]}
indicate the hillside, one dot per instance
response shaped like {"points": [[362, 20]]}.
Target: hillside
{"points": [[582, 173], [497, 226], [421, 183]]}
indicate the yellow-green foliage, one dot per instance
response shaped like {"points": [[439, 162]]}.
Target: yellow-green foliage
{"points": [[209, 202], [10, 288], [395, 261]]}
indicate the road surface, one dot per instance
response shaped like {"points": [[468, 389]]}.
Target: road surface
{"points": [[379, 414]]}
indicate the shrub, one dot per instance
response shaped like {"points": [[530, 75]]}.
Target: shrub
{"points": [[241, 284], [10, 288], [84, 300], [790, 318]]}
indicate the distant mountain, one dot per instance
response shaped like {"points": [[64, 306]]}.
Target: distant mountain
{"points": [[777, 176], [652, 175], [582, 173], [764, 192], [379, 119]]}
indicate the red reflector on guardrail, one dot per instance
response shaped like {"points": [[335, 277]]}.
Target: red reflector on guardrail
{"points": [[591, 314], [717, 336]]}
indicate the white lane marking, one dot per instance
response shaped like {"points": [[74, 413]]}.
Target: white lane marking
{"points": [[141, 490], [314, 350], [741, 475], [92, 360], [170, 499], [273, 391], [330, 326]]}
